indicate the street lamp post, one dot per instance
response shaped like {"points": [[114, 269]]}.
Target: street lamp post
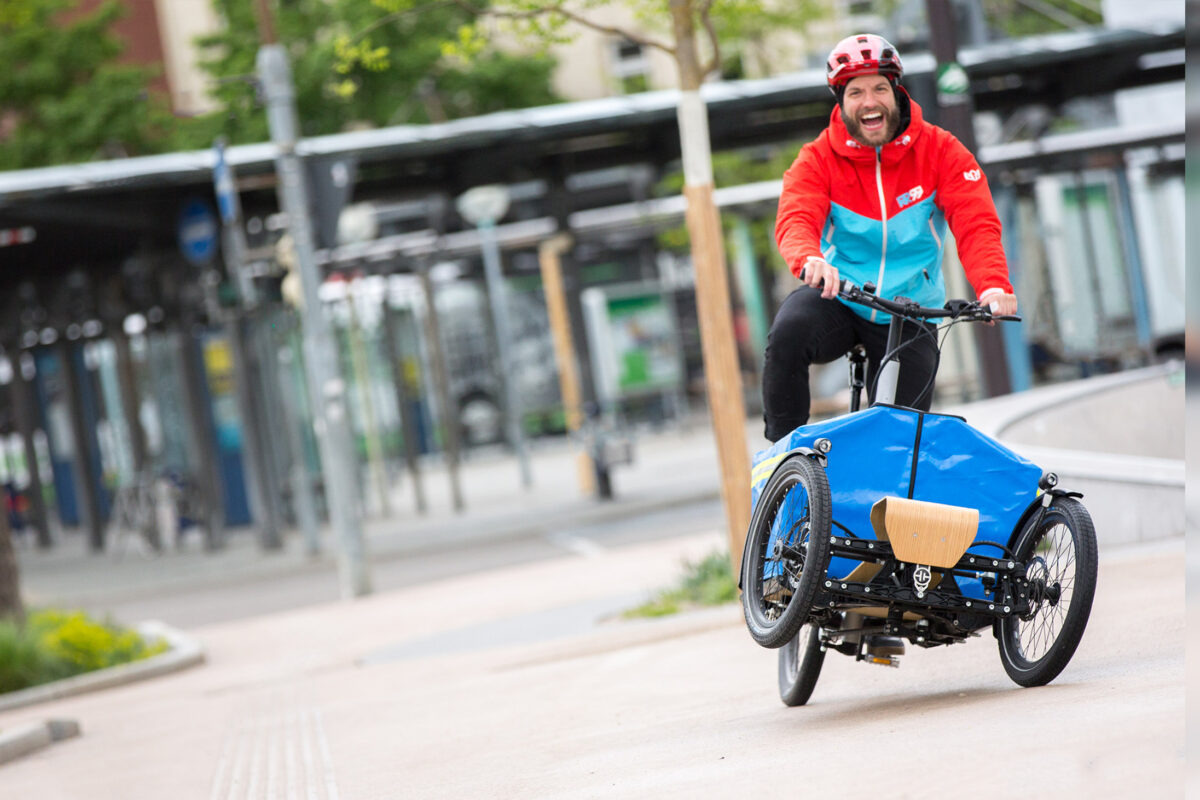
{"points": [[483, 206], [327, 389]]}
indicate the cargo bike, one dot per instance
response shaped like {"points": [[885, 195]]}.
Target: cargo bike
{"points": [[891, 525]]}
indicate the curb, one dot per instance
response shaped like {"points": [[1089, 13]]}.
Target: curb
{"points": [[1130, 498], [184, 652], [30, 738], [1112, 467], [1023, 405]]}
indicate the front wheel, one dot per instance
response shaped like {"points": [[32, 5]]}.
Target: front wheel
{"points": [[787, 551], [800, 663], [1059, 552]]}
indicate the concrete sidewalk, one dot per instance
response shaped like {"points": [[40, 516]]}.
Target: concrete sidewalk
{"points": [[1132, 476], [403, 695]]}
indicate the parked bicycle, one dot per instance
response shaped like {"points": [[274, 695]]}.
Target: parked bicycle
{"points": [[890, 524]]}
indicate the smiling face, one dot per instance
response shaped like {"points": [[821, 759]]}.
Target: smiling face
{"points": [[869, 110]]}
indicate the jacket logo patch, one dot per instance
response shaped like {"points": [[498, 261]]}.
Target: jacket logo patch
{"points": [[972, 175], [911, 196]]}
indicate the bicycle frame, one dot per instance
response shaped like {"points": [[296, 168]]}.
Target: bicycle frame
{"points": [[889, 370], [858, 375]]}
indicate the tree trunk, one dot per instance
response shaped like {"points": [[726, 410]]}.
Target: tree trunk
{"points": [[10, 583], [722, 376]]}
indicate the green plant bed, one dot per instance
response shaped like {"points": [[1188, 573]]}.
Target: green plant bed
{"points": [[55, 644], [708, 582]]}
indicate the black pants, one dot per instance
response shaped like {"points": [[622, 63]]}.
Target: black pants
{"points": [[811, 330]]}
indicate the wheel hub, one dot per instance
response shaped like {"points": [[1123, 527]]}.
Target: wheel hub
{"points": [[1053, 593], [1037, 576]]}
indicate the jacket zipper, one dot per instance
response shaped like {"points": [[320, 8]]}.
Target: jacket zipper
{"points": [[933, 230], [883, 217], [828, 254]]}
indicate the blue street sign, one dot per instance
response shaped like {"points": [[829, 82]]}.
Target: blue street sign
{"points": [[198, 233], [227, 200]]}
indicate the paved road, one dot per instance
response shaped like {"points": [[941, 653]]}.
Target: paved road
{"points": [[504, 684], [188, 601]]}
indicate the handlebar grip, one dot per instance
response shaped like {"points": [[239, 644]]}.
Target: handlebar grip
{"points": [[844, 285]]}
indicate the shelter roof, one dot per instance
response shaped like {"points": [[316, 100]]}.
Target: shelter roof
{"points": [[1009, 66]]}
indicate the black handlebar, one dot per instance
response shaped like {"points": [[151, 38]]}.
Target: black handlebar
{"points": [[966, 310]]}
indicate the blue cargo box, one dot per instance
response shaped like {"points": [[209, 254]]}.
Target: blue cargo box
{"points": [[887, 451]]}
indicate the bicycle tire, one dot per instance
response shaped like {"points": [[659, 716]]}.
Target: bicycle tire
{"points": [[1059, 550], [787, 551], [800, 662]]}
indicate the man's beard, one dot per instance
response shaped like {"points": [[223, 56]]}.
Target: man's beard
{"points": [[891, 126]]}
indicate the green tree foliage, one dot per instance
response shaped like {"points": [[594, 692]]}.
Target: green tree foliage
{"points": [[63, 96], [740, 27], [1029, 17], [352, 68], [744, 29]]}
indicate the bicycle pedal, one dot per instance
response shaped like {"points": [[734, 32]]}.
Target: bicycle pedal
{"points": [[882, 649], [883, 661]]}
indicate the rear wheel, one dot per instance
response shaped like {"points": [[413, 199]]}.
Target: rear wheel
{"points": [[787, 551], [1059, 552], [800, 663]]}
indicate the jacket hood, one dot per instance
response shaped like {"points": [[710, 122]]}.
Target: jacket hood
{"points": [[846, 145]]}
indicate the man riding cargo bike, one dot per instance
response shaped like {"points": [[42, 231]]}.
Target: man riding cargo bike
{"points": [[895, 524]]}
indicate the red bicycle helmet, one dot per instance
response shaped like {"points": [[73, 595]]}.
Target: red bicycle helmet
{"points": [[862, 54]]}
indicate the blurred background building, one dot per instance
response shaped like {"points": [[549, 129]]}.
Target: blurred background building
{"points": [[144, 359]]}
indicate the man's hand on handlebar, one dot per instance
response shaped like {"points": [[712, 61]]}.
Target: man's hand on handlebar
{"points": [[1000, 303], [820, 274]]}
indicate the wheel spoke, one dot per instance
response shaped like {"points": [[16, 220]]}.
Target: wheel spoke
{"points": [[787, 528], [788, 540], [1056, 548]]}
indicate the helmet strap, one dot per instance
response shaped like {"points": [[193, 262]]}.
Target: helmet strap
{"points": [[904, 107]]}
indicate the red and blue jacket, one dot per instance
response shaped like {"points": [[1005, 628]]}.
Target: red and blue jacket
{"points": [[880, 214]]}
